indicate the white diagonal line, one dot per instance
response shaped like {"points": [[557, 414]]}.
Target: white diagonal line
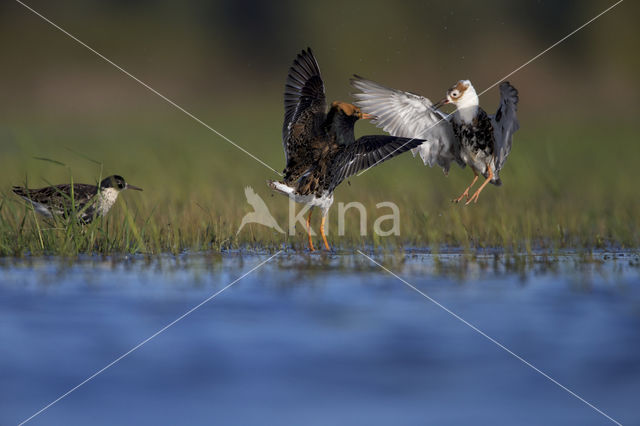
{"points": [[505, 77], [145, 85], [136, 347], [491, 339], [550, 47]]}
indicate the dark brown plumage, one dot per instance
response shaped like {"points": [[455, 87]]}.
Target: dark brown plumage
{"points": [[89, 201], [320, 147]]}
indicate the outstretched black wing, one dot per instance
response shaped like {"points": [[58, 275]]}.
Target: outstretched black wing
{"points": [[505, 122], [304, 101], [367, 152]]}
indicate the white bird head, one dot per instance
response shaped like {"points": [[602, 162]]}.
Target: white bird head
{"points": [[464, 97]]}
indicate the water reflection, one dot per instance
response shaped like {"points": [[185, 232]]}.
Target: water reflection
{"points": [[321, 339], [456, 265]]}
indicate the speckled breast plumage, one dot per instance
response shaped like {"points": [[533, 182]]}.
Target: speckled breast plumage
{"points": [[476, 141]]}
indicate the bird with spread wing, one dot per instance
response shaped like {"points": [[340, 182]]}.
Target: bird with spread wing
{"points": [[468, 136], [320, 147]]}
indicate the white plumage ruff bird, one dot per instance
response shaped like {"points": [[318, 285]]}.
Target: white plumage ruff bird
{"points": [[468, 136]]}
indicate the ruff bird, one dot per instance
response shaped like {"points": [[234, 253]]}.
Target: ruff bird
{"points": [[468, 136], [320, 147], [87, 201]]}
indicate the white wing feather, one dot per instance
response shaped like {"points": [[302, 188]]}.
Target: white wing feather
{"points": [[411, 116]]}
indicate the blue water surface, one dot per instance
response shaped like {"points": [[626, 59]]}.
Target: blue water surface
{"points": [[319, 339]]}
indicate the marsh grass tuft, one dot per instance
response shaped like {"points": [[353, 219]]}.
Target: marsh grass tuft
{"points": [[563, 189]]}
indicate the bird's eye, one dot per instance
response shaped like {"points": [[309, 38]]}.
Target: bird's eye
{"points": [[455, 94]]}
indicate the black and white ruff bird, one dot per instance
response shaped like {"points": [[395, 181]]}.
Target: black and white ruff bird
{"points": [[469, 136], [320, 147], [90, 201]]}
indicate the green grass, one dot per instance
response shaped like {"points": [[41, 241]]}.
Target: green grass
{"points": [[565, 186]]}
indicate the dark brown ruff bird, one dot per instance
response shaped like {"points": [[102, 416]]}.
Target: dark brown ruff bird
{"points": [[320, 147]]}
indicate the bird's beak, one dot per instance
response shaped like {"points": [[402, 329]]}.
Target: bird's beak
{"points": [[366, 116], [133, 187], [440, 103]]}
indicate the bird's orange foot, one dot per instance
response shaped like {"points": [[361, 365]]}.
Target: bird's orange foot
{"points": [[324, 237], [474, 198], [309, 232], [466, 191], [464, 194]]}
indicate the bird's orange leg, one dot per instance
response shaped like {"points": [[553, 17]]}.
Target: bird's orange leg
{"points": [[475, 196], [324, 237], [309, 230], [466, 191]]}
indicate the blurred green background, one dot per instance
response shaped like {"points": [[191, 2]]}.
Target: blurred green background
{"points": [[571, 178]]}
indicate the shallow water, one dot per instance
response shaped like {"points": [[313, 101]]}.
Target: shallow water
{"points": [[321, 340]]}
